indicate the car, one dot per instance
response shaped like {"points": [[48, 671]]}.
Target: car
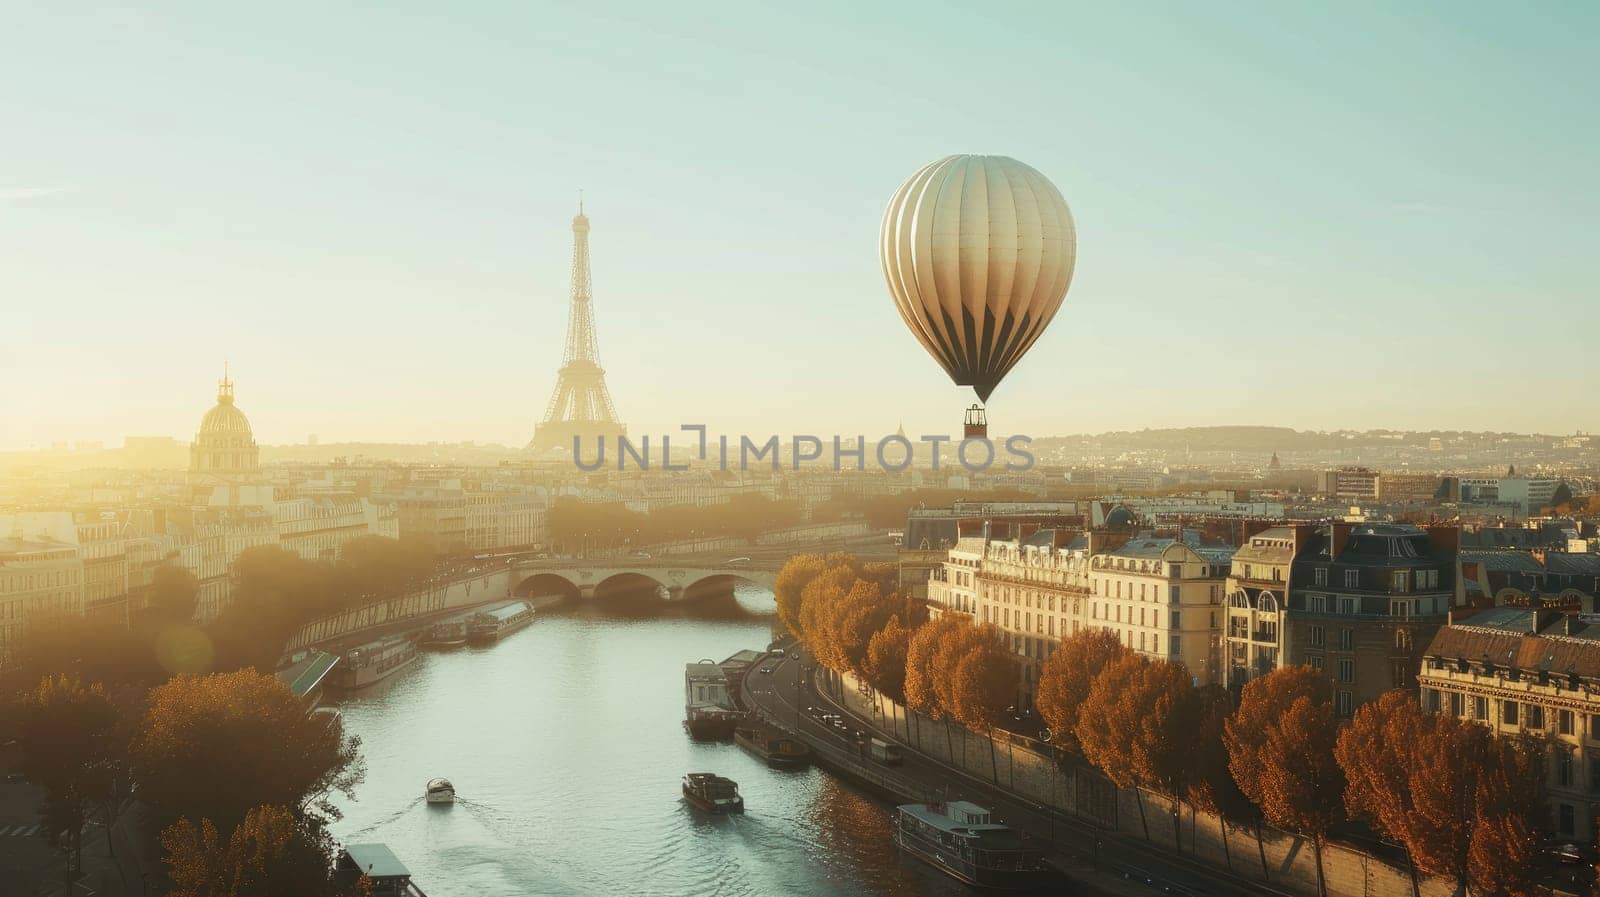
{"points": [[737, 561], [16, 778]]}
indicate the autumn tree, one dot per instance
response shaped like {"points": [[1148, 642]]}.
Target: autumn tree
{"points": [[1065, 677], [1263, 701], [211, 747], [796, 574], [886, 659], [1210, 786], [88, 648], [1510, 801], [921, 650], [271, 852], [1280, 744], [1301, 784], [67, 734], [984, 680], [1136, 725]]}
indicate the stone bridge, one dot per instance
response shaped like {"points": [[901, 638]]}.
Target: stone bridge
{"points": [[589, 578]]}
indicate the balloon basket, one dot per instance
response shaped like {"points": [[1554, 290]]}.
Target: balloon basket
{"points": [[976, 425]]}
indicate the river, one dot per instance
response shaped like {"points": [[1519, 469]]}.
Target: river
{"points": [[566, 748]]}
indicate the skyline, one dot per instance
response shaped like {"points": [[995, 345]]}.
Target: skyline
{"points": [[1325, 222]]}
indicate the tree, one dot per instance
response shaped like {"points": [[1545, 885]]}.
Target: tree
{"points": [[797, 573], [67, 735], [983, 683], [91, 649], [920, 652], [1510, 800], [1210, 786], [271, 852], [1065, 677], [1301, 786], [1263, 701], [173, 594], [886, 659], [1137, 724], [211, 747]]}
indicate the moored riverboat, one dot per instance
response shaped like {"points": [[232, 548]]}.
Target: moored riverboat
{"points": [[712, 793], [374, 662], [489, 626], [963, 840], [708, 711], [446, 634], [779, 750]]}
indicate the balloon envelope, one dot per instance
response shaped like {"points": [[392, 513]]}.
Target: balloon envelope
{"points": [[978, 252]]}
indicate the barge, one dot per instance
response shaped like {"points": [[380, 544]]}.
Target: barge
{"points": [[374, 662], [962, 840], [490, 626], [779, 750]]}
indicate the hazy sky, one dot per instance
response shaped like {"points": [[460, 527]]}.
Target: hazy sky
{"points": [[1371, 215]]}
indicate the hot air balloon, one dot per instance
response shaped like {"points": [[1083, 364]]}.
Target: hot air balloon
{"points": [[978, 253]]}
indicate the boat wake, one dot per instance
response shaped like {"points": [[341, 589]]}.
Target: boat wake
{"points": [[368, 829]]}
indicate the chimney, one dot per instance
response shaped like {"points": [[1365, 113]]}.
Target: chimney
{"points": [[1446, 538], [1341, 535]]}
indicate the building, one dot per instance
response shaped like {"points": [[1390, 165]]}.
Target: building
{"points": [[1163, 596], [504, 517], [39, 575], [1349, 484], [224, 448], [1533, 671], [1364, 599], [434, 513], [1258, 601], [1523, 495], [1035, 590]]}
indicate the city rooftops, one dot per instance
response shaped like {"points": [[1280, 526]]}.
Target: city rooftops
{"points": [[1522, 638]]}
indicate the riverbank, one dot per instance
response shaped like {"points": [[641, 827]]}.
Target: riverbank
{"points": [[1094, 862]]}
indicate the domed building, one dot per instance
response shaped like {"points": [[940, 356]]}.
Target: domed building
{"points": [[225, 447]]}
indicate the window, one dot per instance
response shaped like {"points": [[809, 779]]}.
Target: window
{"points": [[1455, 703], [1564, 813], [1343, 704], [1564, 770], [1347, 671], [1174, 646], [1480, 708], [1347, 606], [1318, 637], [1316, 661], [1177, 620], [1564, 722], [1317, 604], [1352, 579], [1533, 718], [1508, 713], [1321, 577], [1402, 581], [1399, 674], [1173, 594], [1430, 699], [1347, 640]]}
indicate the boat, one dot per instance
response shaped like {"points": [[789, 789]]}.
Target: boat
{"points": [[374, 869], [489, 626], [962, 839], [440, 791], [374, 661], [446, 634], [708, 712], [712, 793], [779, 750]]}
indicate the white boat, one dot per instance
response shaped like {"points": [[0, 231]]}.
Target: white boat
{"points": [[440, 791]]}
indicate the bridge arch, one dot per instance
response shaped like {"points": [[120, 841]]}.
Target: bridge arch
{"points": [[628, 583], [547, 584]]}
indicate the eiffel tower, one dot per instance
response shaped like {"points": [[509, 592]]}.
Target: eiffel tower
{"points": [[581, 406]]}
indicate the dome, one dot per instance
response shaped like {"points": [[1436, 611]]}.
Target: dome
{"points": [[224, 446], [225, 418]]}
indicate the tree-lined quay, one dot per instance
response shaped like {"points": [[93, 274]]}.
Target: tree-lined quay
{"points": [[1464, 805]]}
